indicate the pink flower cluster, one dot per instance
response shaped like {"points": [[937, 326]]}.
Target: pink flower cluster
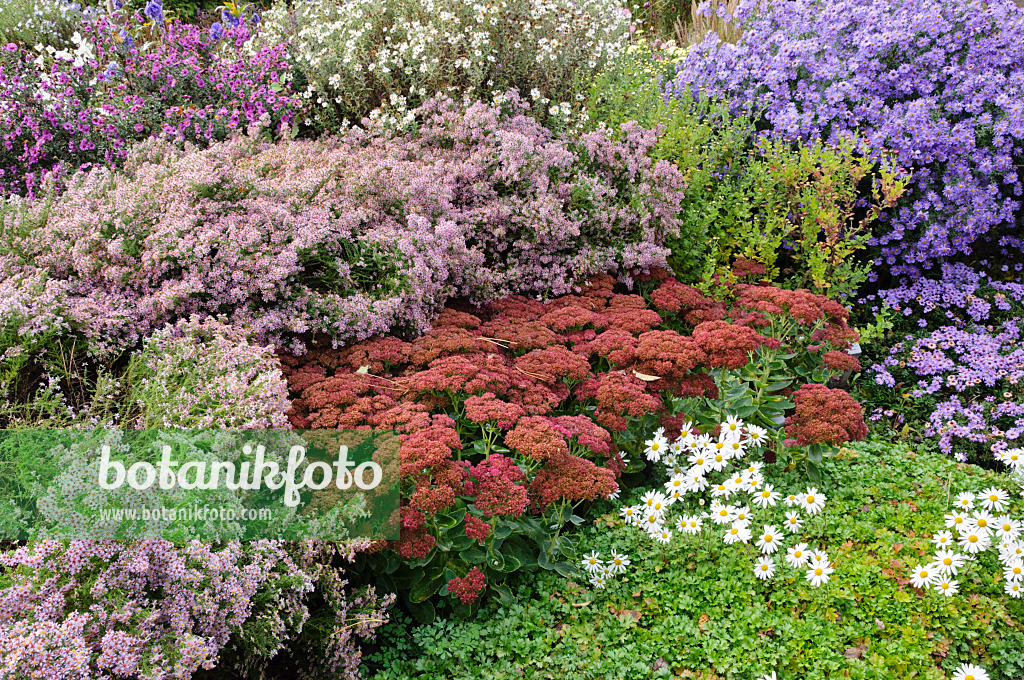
{"points": [[73, 109], [348, 237]]}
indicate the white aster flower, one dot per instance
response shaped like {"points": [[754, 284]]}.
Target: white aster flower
{"points": [[756, 435], [791, 500], [1014, 589], [1007, 528], [947, 587], [663, 536], [655, 448], [597, 581], [722, 514], [592, 562], [982, 520], [630, 514]]}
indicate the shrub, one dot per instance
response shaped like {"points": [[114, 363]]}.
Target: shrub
{"points": [[197, 375], [805, 213], [30, 22], [349, 237], [352, 57], [519, 415], [85, 104], [937, 83], [104, 609]]}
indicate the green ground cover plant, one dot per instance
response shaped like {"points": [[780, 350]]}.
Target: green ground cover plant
{"points": [[694, 609]]}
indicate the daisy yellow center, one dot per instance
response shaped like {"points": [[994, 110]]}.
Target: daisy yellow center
{"points": [[655, 447], [734, 531], [792, 520], [923, 574], [945, 586], [718, 458], [993, 497], [719, 445], [817, 572], [753, 482], [947, 561], [1006, 527], [764, 567], [973, 539], [765, 494], [767, 538], [982, 522], [958, 520], [1016, 570], [810, 499]]}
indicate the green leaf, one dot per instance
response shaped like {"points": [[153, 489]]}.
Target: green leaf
{"points": [[422, 611], [425, 589], [565, 569], [504, 594], [502, 531], [473, 555]]}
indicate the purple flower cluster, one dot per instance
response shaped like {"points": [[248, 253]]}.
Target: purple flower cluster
{"points": [[350, 236], [97, 610], [938, 82], [62, 110], [960, 297], [974, 376]]}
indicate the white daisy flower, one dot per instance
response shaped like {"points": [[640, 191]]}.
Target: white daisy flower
{"points": [[1014, 549], [663, 536], [943, 539], [994, 499], [768, 542], [817, 575], [983, 520], [693, 524], [948, 563], [732, 425], [813, 501], [1007, 528], [1012, 457], [793, 522], [630, 514], [618, 562], [1014, 571], [764, 569], [652, 521], [736, 449], [676, 482], [655, 448], [1014, 589], [756, 435], [597, 582], [797, 555], [965, 501], [974, 541], [968, 671], [699, 463], [956, 519], [742, 515], [722, 514], [766, 498], [696, 482], [947, 587], [791, 500], [819, 557], [923, 577], [737, 533], [592, 562]]}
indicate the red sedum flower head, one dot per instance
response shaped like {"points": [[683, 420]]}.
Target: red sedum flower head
{"points": [[824, 416]]}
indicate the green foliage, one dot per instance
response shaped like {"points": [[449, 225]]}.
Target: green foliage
{"points": [[693, 607], [805, 212]]}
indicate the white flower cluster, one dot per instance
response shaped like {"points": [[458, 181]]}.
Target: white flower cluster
{"points": [[600, 571], [975, 532], [362, 54], [689, 460]]}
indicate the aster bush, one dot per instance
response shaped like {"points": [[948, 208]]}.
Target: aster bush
{"points": [[937, 83], [804, 211], [348, 237], [85, 103], [351, 58], [104, 609]]}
